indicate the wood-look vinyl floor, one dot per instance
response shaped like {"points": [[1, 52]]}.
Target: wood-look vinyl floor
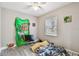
{"points": [[17, 51]]}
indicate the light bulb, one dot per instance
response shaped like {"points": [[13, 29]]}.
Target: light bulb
{"points": [[35, 7]]}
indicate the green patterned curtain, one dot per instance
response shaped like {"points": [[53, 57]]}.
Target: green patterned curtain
{"points": [[22, 28]]}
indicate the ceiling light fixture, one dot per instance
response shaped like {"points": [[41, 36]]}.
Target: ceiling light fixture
{"points": [[38, 5]]}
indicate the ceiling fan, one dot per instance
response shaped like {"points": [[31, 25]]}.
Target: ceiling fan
{"points": [[36, 5]]}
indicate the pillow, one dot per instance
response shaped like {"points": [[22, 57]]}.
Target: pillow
{"points": [[38, 45]]}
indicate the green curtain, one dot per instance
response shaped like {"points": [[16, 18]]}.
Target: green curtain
{"points": [[18, 25]]}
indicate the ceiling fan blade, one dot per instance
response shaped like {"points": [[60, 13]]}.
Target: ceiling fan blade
{"points": [[28, 6], [41, 8]]}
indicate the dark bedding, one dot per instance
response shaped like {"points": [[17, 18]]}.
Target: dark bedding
{"points": [[51, 50]]}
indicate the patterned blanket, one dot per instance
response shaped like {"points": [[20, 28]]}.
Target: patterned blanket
{"points": [[51, 50]]}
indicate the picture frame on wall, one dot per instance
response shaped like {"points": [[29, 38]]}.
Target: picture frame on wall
{"points": [[51, 26], [67, 19], [33, 24]]}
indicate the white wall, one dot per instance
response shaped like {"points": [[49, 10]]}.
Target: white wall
{"points": [[68, 33], [0, 27], [8, 28]]}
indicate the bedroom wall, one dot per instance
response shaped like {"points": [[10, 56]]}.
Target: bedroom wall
{"points": [[0, 27], [8, 28], [68, 33]]}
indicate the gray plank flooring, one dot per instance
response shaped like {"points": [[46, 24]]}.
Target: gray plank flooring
{"points": [[23, 51], [17, 51]]}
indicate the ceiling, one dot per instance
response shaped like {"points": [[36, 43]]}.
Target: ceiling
{"points": [[22, 7]]}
